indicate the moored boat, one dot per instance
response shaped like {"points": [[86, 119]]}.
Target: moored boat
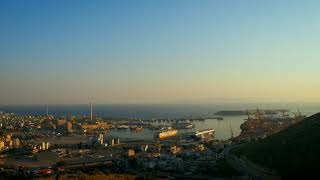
{"points": [[166, 133]]}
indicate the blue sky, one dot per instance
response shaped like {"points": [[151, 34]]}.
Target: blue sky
{"points": [[156, 51]]}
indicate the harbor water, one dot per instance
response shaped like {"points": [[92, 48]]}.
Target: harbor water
{"points": [[223, 128]]}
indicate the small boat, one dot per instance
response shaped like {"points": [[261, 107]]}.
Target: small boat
{"points": [[136, 128], [123, 127]]}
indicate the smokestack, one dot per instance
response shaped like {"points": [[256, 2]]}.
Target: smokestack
{"points": [[91, 109]]}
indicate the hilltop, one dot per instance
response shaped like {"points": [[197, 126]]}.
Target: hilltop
{"points": [[292, 152]]}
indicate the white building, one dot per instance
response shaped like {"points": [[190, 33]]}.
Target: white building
{"points": [[16, 142]]}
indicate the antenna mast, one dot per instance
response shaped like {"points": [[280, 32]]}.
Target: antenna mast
{"points": [[231, 131], [47, 110]]}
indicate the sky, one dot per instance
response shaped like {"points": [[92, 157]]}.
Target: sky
{"points": [[159, 51]]}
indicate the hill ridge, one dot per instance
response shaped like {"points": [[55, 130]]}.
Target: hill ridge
{"points": [[292, 152]]}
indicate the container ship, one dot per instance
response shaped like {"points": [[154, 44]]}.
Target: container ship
{"points": [[166, 133]]}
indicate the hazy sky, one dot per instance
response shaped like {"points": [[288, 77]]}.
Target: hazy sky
{"points": [[63, 52]]}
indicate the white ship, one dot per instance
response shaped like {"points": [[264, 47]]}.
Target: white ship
{"points": [[205, 133]]}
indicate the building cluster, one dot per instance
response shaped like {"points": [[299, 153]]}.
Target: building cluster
{"points": [[188, 159], [48, 141], [104, 140], [8, 142], [74, 125]]}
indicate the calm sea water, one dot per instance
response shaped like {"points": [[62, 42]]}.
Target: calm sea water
{"points": [[222, 127]]}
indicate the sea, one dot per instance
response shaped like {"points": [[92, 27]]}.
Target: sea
{"points": [[223, 128]]}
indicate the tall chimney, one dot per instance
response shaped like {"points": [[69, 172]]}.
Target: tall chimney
{"points": [[91, 109]]}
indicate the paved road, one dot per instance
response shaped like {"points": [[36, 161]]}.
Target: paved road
{"points": [[247, 168]]}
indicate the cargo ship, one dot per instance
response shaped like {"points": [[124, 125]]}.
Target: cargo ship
{"points": [[166, 133], [205, 133]]}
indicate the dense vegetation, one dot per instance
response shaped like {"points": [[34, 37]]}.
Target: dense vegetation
{"points": [[293, 152]]}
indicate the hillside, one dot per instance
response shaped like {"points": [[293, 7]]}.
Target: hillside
{"points": [[292, 152]]}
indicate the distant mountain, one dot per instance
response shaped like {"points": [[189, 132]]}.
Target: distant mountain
{"points": [[293, 152]]}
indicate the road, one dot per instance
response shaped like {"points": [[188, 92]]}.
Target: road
{"points": [[247, 168]]}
